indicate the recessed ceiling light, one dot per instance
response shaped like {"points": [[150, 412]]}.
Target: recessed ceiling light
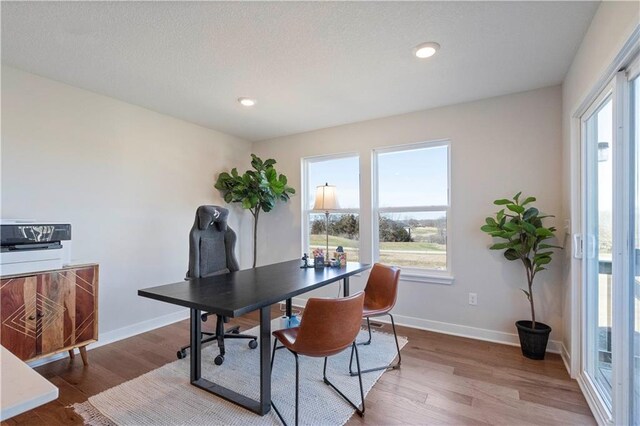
{"points": [[426, 50], [248, 102]]}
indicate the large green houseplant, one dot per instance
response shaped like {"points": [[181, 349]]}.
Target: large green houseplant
{"points": [[257, 190], [519, 230]]}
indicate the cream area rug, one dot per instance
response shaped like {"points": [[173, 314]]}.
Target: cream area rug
{"points": [[164, 396]]}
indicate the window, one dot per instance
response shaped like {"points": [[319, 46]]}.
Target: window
{"points": [[411, 206], [344, 223]]}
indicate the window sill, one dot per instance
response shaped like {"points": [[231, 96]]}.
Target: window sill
{"points": [[426, 278]]}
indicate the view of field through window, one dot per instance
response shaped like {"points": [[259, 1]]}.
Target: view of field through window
{"points": [[344, 227], [413, 197]]}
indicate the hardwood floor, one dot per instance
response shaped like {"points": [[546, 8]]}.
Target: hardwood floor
{"points": [[443, 379]]}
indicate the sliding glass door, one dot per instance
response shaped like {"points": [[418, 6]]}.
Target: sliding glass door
{"points": [[598, 244], [611, 249], [634, 276]]}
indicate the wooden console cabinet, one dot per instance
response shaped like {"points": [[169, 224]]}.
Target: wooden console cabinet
{"points": [[49, 312]]}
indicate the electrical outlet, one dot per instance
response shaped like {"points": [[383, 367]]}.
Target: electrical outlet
{"points": [[473, 299]]}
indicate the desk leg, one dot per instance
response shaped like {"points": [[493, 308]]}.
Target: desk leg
{"points": [[260, 407], [265, 359], [288, 308], [346, 286], [196, 345]]}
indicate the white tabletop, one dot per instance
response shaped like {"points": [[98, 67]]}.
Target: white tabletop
{"points": [[21, 388]]}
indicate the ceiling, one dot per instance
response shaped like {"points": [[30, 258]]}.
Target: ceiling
{"points": [[310, 65]]}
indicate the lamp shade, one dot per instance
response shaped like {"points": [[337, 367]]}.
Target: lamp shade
{"points": [[326, 198]]}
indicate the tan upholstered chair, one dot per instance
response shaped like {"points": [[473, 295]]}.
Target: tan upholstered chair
{"points": [[328, 327], [379, 299]]}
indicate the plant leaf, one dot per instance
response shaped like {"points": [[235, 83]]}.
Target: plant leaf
{"points": [[500, 246], [544, 232], [530, 213], [547, 246], [489, 228], [529, 228], [502, 202], [515, 208], [515, 197], [511, 254]]}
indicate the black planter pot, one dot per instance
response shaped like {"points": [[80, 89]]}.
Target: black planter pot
{"points": [[533, 342]]}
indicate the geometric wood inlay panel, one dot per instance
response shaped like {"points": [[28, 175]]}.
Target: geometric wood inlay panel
{"points": [[45, 311]]}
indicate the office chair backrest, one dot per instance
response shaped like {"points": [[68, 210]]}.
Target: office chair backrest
{"points": [[329, 325], [211, 243], [381, 290]]}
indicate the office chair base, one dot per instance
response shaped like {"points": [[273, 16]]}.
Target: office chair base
{"points": [[232, 333]]}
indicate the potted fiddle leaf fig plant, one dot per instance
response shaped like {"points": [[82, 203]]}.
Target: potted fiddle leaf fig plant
{"points": [[256, 190], [519, 230]]}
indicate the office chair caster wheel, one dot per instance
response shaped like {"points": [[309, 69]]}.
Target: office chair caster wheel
{"points": [[181, 354], [235, 331], [253, 344], [218, 360]]}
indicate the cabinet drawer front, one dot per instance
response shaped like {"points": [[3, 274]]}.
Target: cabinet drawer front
{"points": [[55, 303], [18, 315], [86, 281]]}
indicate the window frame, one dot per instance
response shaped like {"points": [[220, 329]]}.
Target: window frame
{"points": [[412, 273], [306, 211]]}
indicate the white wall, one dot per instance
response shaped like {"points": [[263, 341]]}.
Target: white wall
{"points": [[127, 179], [610, 28], [499, 146]]}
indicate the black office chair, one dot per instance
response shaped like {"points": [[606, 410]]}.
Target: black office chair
{"points": [[211, 252]]}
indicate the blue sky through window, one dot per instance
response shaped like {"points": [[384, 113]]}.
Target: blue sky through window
{"points": [[416, 177], [344, 173]]}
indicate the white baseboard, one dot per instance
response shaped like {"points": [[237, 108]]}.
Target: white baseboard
{"points": [[553, 346], [566, 358], [122, 333], [456, 330]]}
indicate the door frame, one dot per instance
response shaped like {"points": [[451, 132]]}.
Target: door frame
{"points": [[626, 58]]}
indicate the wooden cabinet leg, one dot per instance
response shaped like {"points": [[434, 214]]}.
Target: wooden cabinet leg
{"points": [[83, 354], [72, 355]]}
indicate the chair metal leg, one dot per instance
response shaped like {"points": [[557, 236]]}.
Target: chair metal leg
{"points": [[360, 343], [369, 329], [360, 411], [273, 353], [395, 336], [273, 357], [386, 367], [297, 386]]}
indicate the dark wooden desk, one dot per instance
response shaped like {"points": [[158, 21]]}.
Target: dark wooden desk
{"points": [[237, 293]]}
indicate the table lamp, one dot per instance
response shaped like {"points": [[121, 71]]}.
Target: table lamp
{"points": [[326, 200]]}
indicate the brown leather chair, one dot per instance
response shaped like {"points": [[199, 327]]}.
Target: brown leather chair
{"points": [[380, 296], [328, 327]]}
